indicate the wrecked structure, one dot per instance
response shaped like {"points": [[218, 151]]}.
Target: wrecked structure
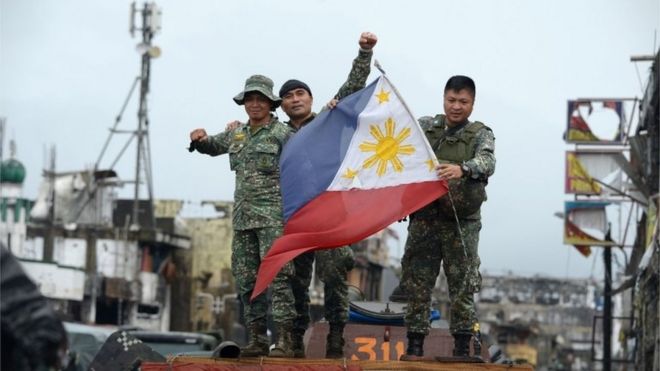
{"points": [[537, 318], [619, 173], [643, 269], [373, 274], [92, 267], [204, 280]]}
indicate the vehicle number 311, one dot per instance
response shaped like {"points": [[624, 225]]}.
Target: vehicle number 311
{"points": [[372, 349]]}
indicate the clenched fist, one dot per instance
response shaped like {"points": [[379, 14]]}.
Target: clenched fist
{"points": [[368, 40], [198, 134]]}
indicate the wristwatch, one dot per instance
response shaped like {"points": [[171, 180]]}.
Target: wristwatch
{"points": [[466, 170]]}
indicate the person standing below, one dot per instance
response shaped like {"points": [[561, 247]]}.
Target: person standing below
{"points": [[332, 265], [254, 151], [447, 230]]}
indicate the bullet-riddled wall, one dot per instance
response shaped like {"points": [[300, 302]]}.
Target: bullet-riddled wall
{"points": [[210, 265], [211, 240]]}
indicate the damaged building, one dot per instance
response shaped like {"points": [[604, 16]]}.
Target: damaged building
{"points": [[74, 241], [643, 269], [537, 318]]}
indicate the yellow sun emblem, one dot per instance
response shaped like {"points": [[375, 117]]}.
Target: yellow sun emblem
{"points": [[387, 147]]}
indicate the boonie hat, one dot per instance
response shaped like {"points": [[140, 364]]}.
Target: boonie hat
{"points": [[261, 84]]}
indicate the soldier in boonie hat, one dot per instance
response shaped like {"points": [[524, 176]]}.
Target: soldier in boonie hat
{"points": [[260, 84], [254, 151]]}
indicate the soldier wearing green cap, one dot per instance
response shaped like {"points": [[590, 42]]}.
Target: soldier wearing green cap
{"points": [[254, 151], [332, 265]]}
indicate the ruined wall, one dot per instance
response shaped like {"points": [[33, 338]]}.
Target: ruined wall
{"points": [[555, 314], [208, 276], [648, 313]]}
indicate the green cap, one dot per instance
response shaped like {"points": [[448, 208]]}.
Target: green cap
{"points": [[261, 84]]}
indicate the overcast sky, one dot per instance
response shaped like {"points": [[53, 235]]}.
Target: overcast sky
{"points": [[66, 68]]}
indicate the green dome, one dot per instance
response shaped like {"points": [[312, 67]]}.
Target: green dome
{"points": [[12, 171]]}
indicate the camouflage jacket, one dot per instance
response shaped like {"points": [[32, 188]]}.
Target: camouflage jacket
{"points": [[482, 163], [254, 156], [357, 79], [478, 154]]}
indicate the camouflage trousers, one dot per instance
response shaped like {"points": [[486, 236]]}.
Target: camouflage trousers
{"points": [[331, 267], [248, 248], [430, 243]]}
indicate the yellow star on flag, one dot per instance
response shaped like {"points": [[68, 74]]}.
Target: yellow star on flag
{"points": [[431, 163], [350, 174], [383, 96]]}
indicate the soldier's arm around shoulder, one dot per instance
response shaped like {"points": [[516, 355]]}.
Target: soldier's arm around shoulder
{"points": [[282, 133], [482, 165]]}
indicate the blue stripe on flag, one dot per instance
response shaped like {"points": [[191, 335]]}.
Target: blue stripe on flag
{"points": [[311, 158]]}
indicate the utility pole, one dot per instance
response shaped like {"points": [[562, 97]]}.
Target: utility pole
{"points": [[151, 24], [49, 240], [3, 121], [607, 310]]}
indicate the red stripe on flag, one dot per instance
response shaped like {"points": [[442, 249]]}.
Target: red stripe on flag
{"points": [[335, 219]]}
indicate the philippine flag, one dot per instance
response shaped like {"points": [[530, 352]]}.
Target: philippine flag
{"points": [[350, 173]]}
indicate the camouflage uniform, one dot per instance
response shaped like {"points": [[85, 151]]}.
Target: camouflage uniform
{"points": [[332, 265], [357, 77], [433, 236], [257, 220]]}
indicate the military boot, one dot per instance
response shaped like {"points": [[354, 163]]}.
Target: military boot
{"points": [[334, 344], [297, 339], [462, 344], [284, 346], [258, 344], [415, 349]]}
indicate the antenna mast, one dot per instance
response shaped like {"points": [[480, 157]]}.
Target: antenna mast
{"points": [[151, 24]]}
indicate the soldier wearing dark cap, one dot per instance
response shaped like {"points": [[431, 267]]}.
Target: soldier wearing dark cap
{"points": [[332, 265], [254, 151]]}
